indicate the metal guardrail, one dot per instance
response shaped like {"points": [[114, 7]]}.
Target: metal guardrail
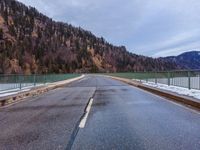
{"points": [[186, 79], [19, 82]]}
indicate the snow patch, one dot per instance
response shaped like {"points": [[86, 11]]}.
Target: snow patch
{"points": [[179, 90], [13, 93], [17, 90]]}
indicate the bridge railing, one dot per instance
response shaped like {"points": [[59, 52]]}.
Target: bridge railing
{"points": [[187, 79], [20, 82]]}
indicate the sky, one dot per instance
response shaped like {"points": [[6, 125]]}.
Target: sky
{"points": [[155, 28]]}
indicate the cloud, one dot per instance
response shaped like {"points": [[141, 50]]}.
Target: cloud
{"points": [[153, 27], [179, 41], [194, 46]]}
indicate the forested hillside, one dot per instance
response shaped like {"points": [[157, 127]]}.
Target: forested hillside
{"points": [[187, 60], [30, 42]]}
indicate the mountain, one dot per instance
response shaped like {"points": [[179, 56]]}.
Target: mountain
{"points": [[30, 42], [188, 60]]}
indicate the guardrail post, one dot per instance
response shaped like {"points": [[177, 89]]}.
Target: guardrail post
{"points": [[199, 81], [168, 78], [189, 80], [156, 81], [44, 78], [34, 79], [16, 81], [20, 82]]}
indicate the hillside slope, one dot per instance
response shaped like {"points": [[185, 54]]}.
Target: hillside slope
{"points": [[188, 60], [33, 43]]}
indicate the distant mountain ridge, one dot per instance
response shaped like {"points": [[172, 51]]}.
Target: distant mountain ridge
{"points": [[187, 60], [30, 42]]}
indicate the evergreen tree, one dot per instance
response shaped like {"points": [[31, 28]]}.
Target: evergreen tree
{"points": [[1, 34]]}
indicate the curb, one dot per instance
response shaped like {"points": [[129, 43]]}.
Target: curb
{"points": [[189, 101], [35, 92]]}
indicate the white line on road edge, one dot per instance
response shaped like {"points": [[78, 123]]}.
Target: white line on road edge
{"points": [[83, 121], [172, 102], [82, 79]]}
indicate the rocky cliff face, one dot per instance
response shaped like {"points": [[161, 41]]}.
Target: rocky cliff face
{"points": [[33, 43]]}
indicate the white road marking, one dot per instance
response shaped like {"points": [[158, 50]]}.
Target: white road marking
{"points": [[83, 121], [185, 106], [172, 102], [82, 79]]}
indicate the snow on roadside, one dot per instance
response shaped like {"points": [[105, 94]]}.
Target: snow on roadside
{"points": [[17, 90], [13, 93], [179, 90], [27, 87]]}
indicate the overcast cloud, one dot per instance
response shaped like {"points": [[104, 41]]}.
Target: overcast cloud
{"points": [[148, 27]]}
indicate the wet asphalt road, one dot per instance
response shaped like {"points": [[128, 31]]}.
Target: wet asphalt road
{"points": [[121, 117]]}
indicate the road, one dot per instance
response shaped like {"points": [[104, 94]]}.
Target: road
{"points": [[121, 117]]}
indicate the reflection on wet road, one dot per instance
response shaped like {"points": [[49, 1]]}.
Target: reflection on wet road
{"points": [[120, 117]]}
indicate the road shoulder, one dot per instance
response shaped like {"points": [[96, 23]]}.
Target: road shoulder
{"points": [[186, 100], [8, 100]]}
